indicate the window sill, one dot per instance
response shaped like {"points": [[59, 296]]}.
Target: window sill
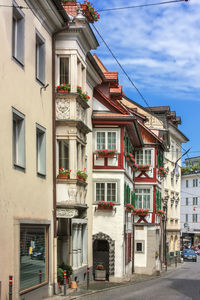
{"points": [[19, 168], [28, 290], [43, 176], [18, 62], [40, 82]]}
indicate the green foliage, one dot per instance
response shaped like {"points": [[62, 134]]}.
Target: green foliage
{"points": [[66, 268], [189, 169], [60, 275]]}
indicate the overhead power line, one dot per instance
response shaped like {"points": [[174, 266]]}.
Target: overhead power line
{"points": [[142, 5]]}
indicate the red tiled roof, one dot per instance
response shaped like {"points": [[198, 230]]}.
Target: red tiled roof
{"points": [[117, 90], [110, 115], [71, 9], [111, 75]]}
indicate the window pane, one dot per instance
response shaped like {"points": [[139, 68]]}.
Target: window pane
{"points": [[111, 140], [100, 140], [18, 139], [147, 157], [111, 192], [41, 150], [63, 154], [40, 59], [32, 256], [18, 35], [64, 70], [100, 191]]}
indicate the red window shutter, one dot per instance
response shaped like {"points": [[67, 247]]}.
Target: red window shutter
{"points": [[126, 248]]}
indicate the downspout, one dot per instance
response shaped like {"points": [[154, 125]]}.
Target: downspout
{"points": [[54, 157]]}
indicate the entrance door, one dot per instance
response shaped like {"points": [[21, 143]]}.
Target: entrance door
{"points": [[101, 255]]}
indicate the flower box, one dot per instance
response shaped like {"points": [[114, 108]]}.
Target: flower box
{"points": [[80, 178], [160, 212], [143, 167], [129, 207], [109, 153], [100, 275], [140, 212], [63, 88], [162, 172], [108, 205], [90, 13], [63, 176], [81, 175]]}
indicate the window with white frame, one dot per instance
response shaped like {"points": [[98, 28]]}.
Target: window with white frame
{"points": [[186, 201], [194, 218], [139, 246], [195, 200], [63, 70], [143, 198], [143, 156], [18, 34], [40, 58], [195, 182], [41, 149], [18, 120], [186, 183], [106, 140], [172, 151], [106, 191], [186, 218]]}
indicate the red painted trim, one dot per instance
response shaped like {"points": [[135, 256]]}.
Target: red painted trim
{"points": [[110, 122], [154, 204], [148, 180], [155, 163], [121, 162]]}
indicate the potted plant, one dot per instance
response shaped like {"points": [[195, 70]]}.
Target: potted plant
{"points": [[110, 153], [63, 88], [68, 269], [162, 172], [160, 213], [105, 205], [63, 173], [60, 276], [100, 273], [84, 96], [129, 207], [130, 158], [81, 175], [91, 14]]}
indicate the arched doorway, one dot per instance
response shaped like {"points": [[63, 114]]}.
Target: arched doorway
{"points": [[104, 253]]}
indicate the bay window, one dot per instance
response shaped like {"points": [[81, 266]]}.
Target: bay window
{"points": [[143, 198], [64, 70]]}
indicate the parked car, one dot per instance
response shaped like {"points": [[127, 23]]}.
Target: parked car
{"points": [[189, 254], [38, 254]]}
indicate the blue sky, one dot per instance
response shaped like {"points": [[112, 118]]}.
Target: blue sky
{"points": [[159, 47]]}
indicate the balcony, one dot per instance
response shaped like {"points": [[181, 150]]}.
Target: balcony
{"points": [[71, 108]]}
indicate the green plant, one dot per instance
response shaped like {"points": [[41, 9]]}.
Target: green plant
{"points": [[84, 96], [105, 203], [82, 174], [60, 275], [63, 87], [95, 15], [63, 171], [66, 268]]}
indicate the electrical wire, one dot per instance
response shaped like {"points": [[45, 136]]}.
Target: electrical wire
{"points": [[141, 5]]}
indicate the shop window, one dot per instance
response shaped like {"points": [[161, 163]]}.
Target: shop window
{"points": [[33, 256]]}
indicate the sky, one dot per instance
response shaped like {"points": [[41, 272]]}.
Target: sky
{"points": [[159, 47]]}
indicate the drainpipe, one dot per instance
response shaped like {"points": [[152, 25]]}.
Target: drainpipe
{"points": [[54, 157]]}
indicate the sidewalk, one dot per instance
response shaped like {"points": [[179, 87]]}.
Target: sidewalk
{"points": [[98, 286]]}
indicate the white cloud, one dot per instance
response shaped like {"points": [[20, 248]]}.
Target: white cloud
{"points": [[159, 46]]}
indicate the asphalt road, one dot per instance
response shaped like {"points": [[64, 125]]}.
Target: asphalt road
{"points": [[180, 284]]}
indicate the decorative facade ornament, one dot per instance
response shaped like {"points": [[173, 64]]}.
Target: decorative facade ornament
{"points": [[103, 236], [72, 194], [80, 112], [66, 213], [62, 109]]}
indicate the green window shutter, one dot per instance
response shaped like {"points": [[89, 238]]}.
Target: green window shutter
{"points": [[124, 193], [156, 200]]}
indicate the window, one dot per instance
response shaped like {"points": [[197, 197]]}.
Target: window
{"points": [[18, 120], [40, 58], [194, 218], [186, 218], [172, 146], [33, 256], [18, 35], [186, 201], [177, 153], [106, 191], [143, 156], [41, 149], [186, 183], [139, 246], [64, 70], [142, 198], [63, 154], [195, 182], [195, 200], [106, 140]]}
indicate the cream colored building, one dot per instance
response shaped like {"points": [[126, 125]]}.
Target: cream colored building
{"points": [[26, 174], [164, 123]]}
